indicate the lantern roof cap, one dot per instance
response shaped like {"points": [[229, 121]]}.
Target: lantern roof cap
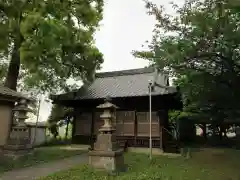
{"points": [[107, 104]]}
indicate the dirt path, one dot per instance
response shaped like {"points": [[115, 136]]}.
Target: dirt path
{"points": [[41, 170]]}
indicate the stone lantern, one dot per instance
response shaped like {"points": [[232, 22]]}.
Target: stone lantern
{"points": [[106, 153], [107, 116], [21, 110], [19, 142]]}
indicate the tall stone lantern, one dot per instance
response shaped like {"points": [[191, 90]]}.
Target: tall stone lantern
{"points": [[19, 142], [106, 153]]}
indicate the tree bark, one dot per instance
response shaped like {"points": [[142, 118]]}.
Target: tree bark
{"points": [[14, 67], [66, 131]]}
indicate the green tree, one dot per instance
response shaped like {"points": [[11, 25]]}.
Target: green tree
{"points": [[59, 115], [44, 43], [200, 47]]}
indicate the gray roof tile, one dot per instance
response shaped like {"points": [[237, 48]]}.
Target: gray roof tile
{"points": [[4, 91], [125, 83]]}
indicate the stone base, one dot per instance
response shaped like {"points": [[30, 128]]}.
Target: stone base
{"points": [[14, 152], [112, 161]]}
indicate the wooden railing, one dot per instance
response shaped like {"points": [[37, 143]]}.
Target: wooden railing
{"points": [[138, 141], [131, 141]]}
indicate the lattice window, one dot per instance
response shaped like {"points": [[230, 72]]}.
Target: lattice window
{"points": [[154, 116], [143, 124], [125, 123], [120, 116], [129, 116], [143, 117]]}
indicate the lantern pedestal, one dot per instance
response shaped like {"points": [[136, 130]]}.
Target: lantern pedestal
{"points": [[18, 143], [106, 154]]}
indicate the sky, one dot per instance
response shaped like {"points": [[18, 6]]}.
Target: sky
{"points": [[125, 27]]}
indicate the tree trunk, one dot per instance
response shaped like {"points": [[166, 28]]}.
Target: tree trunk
{"points": [[13, 69], [14, 66], [66, 131]]}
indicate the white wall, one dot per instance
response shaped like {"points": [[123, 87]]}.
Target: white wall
{"points": [[40, 135]]}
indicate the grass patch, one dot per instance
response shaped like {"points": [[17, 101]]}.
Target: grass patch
{"points": [[40, 155], [208, 164]]}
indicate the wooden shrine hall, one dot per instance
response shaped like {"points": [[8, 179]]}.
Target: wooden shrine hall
{"points": [[129, 90]]}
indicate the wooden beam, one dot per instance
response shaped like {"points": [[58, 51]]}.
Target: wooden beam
{"points": [[92, 129], [161, 121], [135, 128]]}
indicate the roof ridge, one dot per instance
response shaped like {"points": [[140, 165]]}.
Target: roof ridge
{"points": [[125, 72]]}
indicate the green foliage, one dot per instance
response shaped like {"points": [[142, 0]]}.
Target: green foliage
{"points": [[3, 70], [182, 124], [53, 38], [200, 47], [175, 115], [58, 115]]}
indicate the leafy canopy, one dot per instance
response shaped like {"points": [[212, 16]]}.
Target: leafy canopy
{"points": [[200, 48], [54, 40], [59, 113]]}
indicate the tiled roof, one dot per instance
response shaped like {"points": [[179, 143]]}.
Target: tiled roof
{"points": [[126, 83], [4, 91]]}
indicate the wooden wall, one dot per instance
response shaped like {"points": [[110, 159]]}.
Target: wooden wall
{"points": [[125, 123], [129, 125], [83, 124], [143, 124]]}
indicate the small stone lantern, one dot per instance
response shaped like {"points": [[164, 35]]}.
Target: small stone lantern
{"points": [[106, 153], [19, 142]]}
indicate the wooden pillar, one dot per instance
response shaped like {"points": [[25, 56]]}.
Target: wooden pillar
{"points": [[161, 136], [160, 133], [92, 130], [162, 123], [135, 128]]}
